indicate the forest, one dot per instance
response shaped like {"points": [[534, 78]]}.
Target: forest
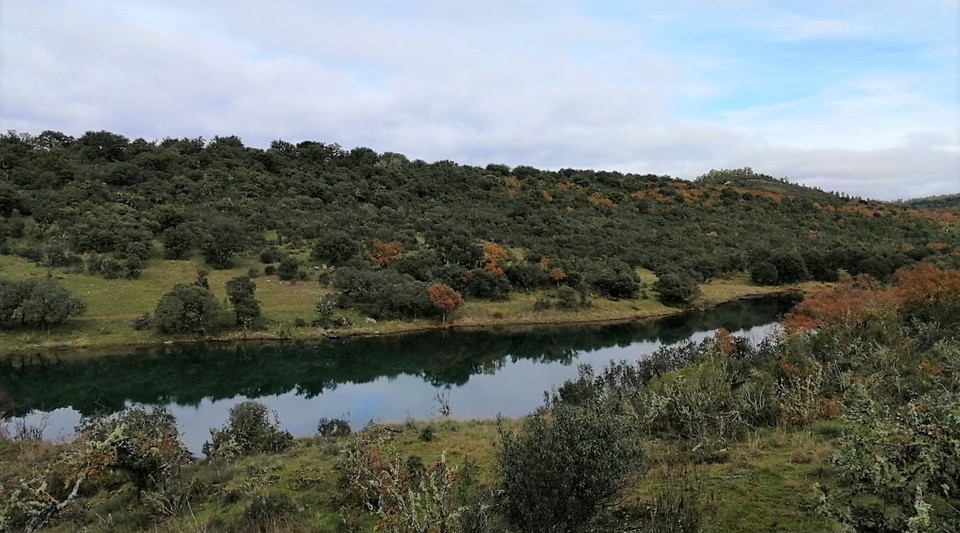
{"points": [[393, 238]]}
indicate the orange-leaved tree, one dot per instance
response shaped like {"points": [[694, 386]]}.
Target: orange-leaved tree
{"points": [[444, 299], [384, 252], [493, 253]]}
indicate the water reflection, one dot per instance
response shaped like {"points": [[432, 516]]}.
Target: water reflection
{"points": [[485, 373]]}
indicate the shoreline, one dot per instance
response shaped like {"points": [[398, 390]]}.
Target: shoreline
{"points": [[397, 328]]}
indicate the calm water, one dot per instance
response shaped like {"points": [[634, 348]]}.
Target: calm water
{"points": [[481, 373]]}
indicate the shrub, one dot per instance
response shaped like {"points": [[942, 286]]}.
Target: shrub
{"points": [[567, 466], [764, 273], [676, 288], [249, 430], [144, 445], [899, 470], [333, 427], [36, 303], [189, 308], [289, 269], [270, 255], [404, 494]]}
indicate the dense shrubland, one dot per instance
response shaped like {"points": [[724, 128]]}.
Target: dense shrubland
{"points": [[869, 367], [100, 204]]}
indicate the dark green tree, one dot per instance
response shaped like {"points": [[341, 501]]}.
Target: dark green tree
{"points": [[764, 273], [177, 241], [220, 241], [289, 268], [790, 267], [189, 308], [45, 303], [676, 288], [240, 292], [334, 248]]}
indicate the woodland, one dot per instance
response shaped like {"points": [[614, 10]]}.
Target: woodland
{"points": [[394, 238]]}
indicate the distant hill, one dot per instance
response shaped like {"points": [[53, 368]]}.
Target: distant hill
{"points": [[103, 203], [951, 201]]}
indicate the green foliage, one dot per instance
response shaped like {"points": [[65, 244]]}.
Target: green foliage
{"points": [[249, 430], [614, 279], [899, 468], [141, 445], [240, 293], [382, 293], [334, 248], [790, 267], [333, 427], [676, 288], [567, 466], [36, 303], [764, 273], [289, 269], [177, 241], [189, 308], [220, 240], [483, 284]]}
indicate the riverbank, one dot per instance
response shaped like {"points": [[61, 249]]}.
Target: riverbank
{"points": [[113, 305]]}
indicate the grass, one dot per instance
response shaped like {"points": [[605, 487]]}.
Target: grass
{"points": [[765, 483], [114, 304]]}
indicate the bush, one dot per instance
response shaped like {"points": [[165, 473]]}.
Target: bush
{"points": [[483, 284], [567, 466], [899, 470], [764, 273], [289, 269], [676, 288], [189, 308], [144, 445], [36, 303], [249, 430], [333, 427], [270, 255]]}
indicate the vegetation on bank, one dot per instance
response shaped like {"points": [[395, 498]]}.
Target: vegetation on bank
{"points": [[847, 421], [377, 236], [303, 309]]}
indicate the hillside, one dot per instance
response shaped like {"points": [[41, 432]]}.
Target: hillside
{"points": [[948, 201], [377, 229]]}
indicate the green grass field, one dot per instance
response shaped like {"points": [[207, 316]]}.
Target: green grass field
{"points": [[114, 304]]}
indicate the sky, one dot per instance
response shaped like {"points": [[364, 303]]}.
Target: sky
{"points": [[858, 96]]}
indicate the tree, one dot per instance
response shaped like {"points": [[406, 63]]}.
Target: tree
{"points": [[240, 293], [177, 241], [790, 267], [39, 303], [221, 241], [382, 252], [334, 248], [289, 268], [764, 273], [676, 288], [188, 308], [444, 299]]}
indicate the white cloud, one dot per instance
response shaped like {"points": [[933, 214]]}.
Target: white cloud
{"points": [[550, 84]]}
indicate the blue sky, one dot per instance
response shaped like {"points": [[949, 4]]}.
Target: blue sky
{"points": [[859, 96]]}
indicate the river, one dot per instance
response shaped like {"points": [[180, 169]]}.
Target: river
{"points": [[479, 373]]}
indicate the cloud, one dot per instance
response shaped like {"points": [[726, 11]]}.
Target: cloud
{"points": [[834, 93]]}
